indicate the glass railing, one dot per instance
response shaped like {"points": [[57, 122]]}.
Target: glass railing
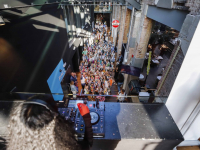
{"points": [[15, 96]]}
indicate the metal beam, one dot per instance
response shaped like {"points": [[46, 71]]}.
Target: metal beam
{"points": [[61, 3], [135, 4], [119, 1]]}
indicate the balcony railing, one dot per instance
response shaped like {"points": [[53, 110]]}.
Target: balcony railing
{"points": [[91, 97]]}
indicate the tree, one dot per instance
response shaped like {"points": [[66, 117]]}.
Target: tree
{"points": [[160, 37]]}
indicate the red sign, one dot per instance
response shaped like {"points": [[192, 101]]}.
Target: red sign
{"points": [[115, 23]]}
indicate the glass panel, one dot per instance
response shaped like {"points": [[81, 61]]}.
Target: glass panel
{"points": [[90, 97]]}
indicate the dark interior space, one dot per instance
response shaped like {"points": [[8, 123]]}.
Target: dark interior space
{"points": [[105, 17], [31, 47]]}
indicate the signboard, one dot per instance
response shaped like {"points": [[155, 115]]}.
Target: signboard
{"points": [[149, 62], [130, 70], [54, 81], [115, 23]]}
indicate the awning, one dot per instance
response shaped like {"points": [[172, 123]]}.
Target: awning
{"points": [[134, 71], [169, 17]]}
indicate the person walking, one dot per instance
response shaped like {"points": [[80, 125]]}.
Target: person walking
{"points": [[120, 81], [116, 74], [74, 89], [121, 96]]}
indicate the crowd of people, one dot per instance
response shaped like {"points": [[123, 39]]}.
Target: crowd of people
{"points": [[97, 66]]}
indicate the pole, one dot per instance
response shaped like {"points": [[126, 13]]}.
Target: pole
{"points": [[148, 67], [145, 80], [61, 3]]}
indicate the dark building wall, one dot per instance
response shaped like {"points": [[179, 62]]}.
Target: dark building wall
{"points": [[172, 74], [194, 6], [31, 47]]}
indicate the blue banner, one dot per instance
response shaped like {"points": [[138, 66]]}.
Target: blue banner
{"points": [[130, 70], [54, 81]]}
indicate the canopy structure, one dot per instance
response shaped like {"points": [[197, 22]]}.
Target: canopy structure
{"points": [[130, 70]]}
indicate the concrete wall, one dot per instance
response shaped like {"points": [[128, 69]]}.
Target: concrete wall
{"points": [[194, 6], [116, 16], [165, 4], [184, 99], [144, 38], [129, 40], [173, 72], [170, 17], [126, 27], [140, 33], [121, 29], [135, 30], [141, 46], [152, 2], [187, 31]]}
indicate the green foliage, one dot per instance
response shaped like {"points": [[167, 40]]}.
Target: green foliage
{"points": [[160, 38]]}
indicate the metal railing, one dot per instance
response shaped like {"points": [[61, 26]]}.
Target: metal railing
{"points": [[108, 98]]}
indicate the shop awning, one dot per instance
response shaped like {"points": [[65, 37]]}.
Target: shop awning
{"points": [[134, 71]]}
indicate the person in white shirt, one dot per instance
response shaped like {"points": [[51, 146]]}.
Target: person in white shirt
{"points": [[95, 57], [102, 57], [86, 90], [106, 39], [86, 63], [83, 80], [113, 58], [121, 96], [96, 26], [106, 83], [92, 70], [105, 91], [73, 89], [84, 57], [100, 34], [112, 66], [91, 59]]}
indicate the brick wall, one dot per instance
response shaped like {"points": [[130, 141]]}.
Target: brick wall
{"points": [[121, 29], [127, 24], [144, 38], [194, 6]]}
